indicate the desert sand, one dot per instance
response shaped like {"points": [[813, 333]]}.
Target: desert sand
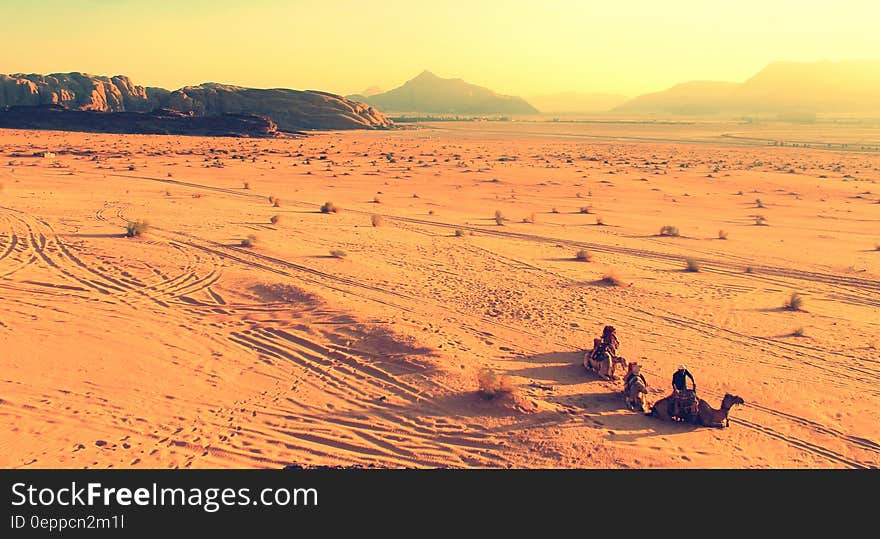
{"points": [[184, 348]]}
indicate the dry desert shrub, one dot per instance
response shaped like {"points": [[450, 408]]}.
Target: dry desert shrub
{"points": [[275, 219], [760, 220], [799, 332], [246, 185], [529, 219], [692, 265], [459, 232], [612, 279], [600, 221], [329, 207], [722, 235], [499, 218], [249, 241], [338, 253], [669, 230], [492, 384], [586, 209], [136, 228], [583, 255], [554, 210], [795, 302], [376, 220], [277, 203]]}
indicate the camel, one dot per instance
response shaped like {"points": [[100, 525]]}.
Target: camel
{"points": [[710, 417], [636, 395], [706, 415], [604, 368]]}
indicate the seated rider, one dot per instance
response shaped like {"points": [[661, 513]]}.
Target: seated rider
{"points": [[598, 348], [679, 387], [609, 339]]}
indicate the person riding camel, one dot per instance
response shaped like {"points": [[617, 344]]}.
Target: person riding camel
{"points": [[609, 339], [679, 388], [598, 349]]}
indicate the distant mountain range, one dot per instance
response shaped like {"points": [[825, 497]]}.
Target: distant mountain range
{"points": [[576, 103], [428, 93], [780, 89], [291, 110]]}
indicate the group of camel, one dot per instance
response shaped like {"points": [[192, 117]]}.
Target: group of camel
{"points": [[636, 394]]}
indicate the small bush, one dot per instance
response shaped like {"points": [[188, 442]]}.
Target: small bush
{"points": [[611, 279], [586, 209], [329, 207], [275, 219], [529, 219], [338, 253], [493, 385], [246, 185], [799, 332], [758, 203], [376, 200], [583, 255], [376, 220], [669, 230], [499, 218], [760, 220], [795, 302], [722, 235], [554, 210], [249, 241], [136, 228], [749, 269], [271, 199], [277, 203], [600, 221], [459, 232], [692, 265]]}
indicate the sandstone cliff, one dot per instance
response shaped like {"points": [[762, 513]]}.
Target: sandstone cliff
{"points": [[291, 110]]}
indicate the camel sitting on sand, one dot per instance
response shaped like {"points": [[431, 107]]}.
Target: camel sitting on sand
{"points": [[706, 415], [605, 364], [635, 391]]}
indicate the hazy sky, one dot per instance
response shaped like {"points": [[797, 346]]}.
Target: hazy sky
{"points": [[512, 46]]}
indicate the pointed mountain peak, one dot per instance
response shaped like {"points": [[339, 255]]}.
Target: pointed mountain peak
{"points": [[426, 75]]}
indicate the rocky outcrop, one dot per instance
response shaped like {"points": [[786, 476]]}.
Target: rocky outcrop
{"points": [[156, 122], [291, 110], [75, 91]]}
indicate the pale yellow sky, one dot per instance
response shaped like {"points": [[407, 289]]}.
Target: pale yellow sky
{"points": [[513, 46]]}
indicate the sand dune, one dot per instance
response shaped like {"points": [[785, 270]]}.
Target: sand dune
{"points": [[183, 348]]}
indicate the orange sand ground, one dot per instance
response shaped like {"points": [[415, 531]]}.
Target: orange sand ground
{"points": [[183, 349]]}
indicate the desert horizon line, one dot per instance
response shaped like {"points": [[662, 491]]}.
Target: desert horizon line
{"points": [[523, 94]]}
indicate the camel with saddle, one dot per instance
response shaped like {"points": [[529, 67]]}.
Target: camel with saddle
{"points": [[697, 413], [602, 358], [635, 388]]}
